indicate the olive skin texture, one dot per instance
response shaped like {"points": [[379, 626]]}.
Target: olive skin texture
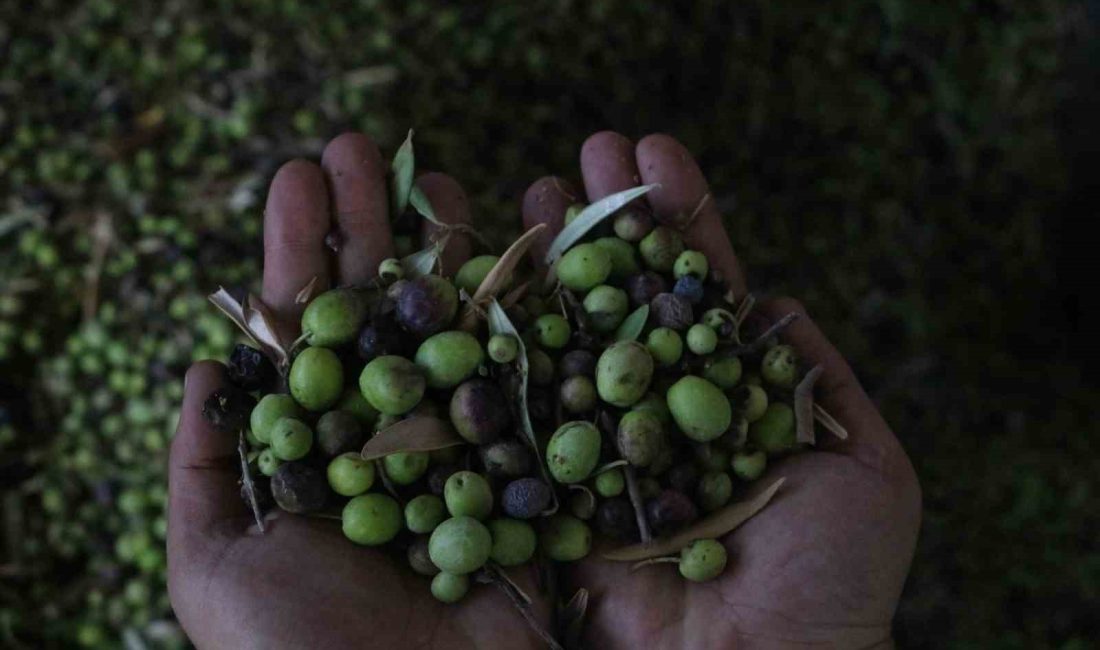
{"points": [[700, 409], [316, 378], [334, 317], [427, 305], [565, 538], [774, 432], [392, 385], [371, 519], [573, 451], [623, 373], [448, 358], [525, 498], [639, 437], [460, 545], [297, 487], [479, 411], [584, 266], [702, 560]]}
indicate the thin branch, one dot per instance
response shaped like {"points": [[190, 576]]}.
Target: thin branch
{"points": [[249, 487], [636, 501]]}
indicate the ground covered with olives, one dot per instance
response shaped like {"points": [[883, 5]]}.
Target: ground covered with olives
{"points": [[613, 396]]}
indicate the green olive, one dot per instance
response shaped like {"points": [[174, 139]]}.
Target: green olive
{"points": [[514, 541], [473, 272], [573, 451], [623, 373], [660, 248], [371, 519], [780, 366], [334, 317], [624, 260], [774, 432], [665, 345], [702, 560], [700, 408], [449, 357], [565, 538], [606, 306], [701, 339], [391, 384], [316, 378], [584, 266], [552, 331]]}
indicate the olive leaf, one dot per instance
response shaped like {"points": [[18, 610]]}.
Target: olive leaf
{"points": [[829, 422], [246, 481], [420, 433], [804, 406], [419, 201], [715, 525], [255, 319], [498, 276], [586, 494], [635, 494], [423, 261], [633, 324], [307, 292], [403, 165], [608, 466], [742, 313], [515, 295], [500, 324], [571, 615], [589, 218]]}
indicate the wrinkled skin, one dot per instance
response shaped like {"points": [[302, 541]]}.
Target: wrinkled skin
{"points": [[824, 564]]}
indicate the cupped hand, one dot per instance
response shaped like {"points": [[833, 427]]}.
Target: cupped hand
{"points": [[302, 584], [824, 563]]}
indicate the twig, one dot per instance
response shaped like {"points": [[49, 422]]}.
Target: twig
{"points": [[636, 501], [829, 422], [524, 609], [761, 340], [804, 406], [249, 487]]}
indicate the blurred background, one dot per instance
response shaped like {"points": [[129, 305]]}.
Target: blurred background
{"points": [[915, 172]]}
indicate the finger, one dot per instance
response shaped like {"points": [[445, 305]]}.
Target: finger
{"points": [[451, 207], [545, 202], [357, 179], [202, 465], [295, 224], [607, 164], [683, 192], [839, 392]]}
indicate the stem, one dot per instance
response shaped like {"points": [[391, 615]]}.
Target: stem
{"points": [[524, 609], [668, 559], [249, 487], [636, 501], [759, 342]]}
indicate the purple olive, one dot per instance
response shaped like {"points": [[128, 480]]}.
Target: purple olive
{"points": [[479, 411]]}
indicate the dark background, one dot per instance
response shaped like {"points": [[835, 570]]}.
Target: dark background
{"points": [[917, 174]]}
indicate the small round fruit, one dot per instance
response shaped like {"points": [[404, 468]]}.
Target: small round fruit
{"points": [[371, 519], [624, 260], [503, 348], [349, 475], [780, 366], [565, 538], [406, 467], [578, 394], [505, 458], [552, 331], [513, 541], [479, 411], [577, 362], [390, 270], [249, 368], [382, 337], [572, 212], [460, 545], [632, 225], [352, 401], [752, 401], [690, 289], [735, 437], [723, 373], [334, 317], [749, 465], [665, 346], [692, 263], [450, 588], [701, 339], [573, 451], [291, 439], [423, 513], [448, 358], [669, 511], [339, 432], [525, 498], [297, 487], [227, 409], [584, 266], [699, 407], [702, 560], [774, 432], [721, 321], [540, 367], [316, 378], [268, 462], [655, 404], [606, 307], [582, 504], [471, 274], [610, 483], [268, 411], [615, 518], [711, 456], [660, 248], [671, 310], [419, 560], [393, 385], [639, 437], [468, 494], [427, 305], [714, 491], [623, 373], [644, 287]]}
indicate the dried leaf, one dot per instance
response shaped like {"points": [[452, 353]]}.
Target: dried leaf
{"points": [[498, 276], [420, 433], [403, 166], [255, 319], [759, 342], [246, 480], [804, 406], [500, 324], [423, 262], [633, 324], [515, 295], [419, 201], [713, 526], [829, 422], [307, 292], [589, 218]]}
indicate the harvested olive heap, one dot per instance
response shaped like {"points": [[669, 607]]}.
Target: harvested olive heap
{"points": [[505, 415]]}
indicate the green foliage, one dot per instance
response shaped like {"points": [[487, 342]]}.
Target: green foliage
{"points": [[890, 164]]}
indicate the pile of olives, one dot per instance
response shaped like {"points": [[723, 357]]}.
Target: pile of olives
{"points": [[633, 430]]}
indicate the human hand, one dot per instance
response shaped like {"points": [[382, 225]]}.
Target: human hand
{"points": [[302, 584], [825, 561]]}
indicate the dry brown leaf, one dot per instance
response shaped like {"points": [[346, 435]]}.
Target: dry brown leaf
{"points": [[515, 295], [804, 406], [255, 319], [713, 526], [307, 292], [829, 422], [419, 433], [498, 276]]}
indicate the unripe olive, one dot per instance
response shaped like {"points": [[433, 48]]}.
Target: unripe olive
{"points": [[419, 559], [565, 538], [665, 346], [269, 410], [583, 267], [552, 331], [390, 270], [503, 348], [774, 432], [473, 272], [349, 475], [615, 518], [479, 411], [660, 248], [639, 437], [632, 224], [460, 545], [291, 439], [427, 305], [578, 394], [691, 263], [540, 368], [606, 308], [752, 401], [671, 311], [702, 560], [699, 407], [450, 588], [610, 483], [780, 366], [573, 451], [572, 212], [655, 404], [749, 465], [642, 288], [353, 402], [577, 362], [371, 519], [334, 317], [392, 385], [316, 378], [624, 261], [468, 494], [721, 321], [723, 372], [513, 541], [714, 491], [623, 373], [505, 458], [406, 467], [449, 357], [339, 432], [424, 512], [701, 339]]}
